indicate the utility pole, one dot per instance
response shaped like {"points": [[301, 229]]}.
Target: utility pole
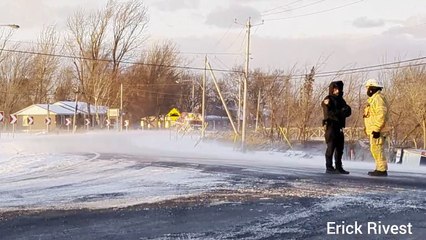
{"points": [[239, 105], [203, 100], [245, 83], [121, 106], [48, 114], [245, 86], [222, 99], [257, 110], [75, 112], [193, 96]]}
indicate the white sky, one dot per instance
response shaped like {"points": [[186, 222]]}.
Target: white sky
{"points": [[366, 32]]}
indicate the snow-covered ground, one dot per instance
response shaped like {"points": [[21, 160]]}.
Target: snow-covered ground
{"points": [[160, 185], [111, 169]]}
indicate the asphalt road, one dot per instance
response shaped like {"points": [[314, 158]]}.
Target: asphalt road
{"points": [[287, 204]]}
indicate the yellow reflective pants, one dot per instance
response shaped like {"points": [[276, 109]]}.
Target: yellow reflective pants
{"points": [[376, 148]]}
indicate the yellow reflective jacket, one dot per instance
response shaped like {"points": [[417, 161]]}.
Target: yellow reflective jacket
{"points": [[376, 113]]}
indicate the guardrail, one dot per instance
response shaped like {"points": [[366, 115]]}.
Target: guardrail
{"points": [[316, 133]]}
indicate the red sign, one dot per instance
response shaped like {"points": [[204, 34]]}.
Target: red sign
{"points": [[67, 121], [12, 119], [30, 120]]}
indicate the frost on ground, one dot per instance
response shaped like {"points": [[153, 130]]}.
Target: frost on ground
{"points": [[157, 185], [64, 181], [105, 170]]}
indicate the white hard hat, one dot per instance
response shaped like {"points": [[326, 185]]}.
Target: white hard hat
{"points": [[373, 83]]}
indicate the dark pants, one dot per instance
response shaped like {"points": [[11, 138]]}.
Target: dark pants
{"points": [[335, 140]]}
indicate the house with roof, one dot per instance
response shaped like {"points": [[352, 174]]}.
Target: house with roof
{"points": [[83, 107], [59, 114]]}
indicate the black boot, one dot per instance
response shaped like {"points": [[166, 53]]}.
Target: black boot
{"points": [[376, 173], [341, 171], [331, 171]]}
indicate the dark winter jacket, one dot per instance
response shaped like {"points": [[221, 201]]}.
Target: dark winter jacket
{"points": [[335, 108]]}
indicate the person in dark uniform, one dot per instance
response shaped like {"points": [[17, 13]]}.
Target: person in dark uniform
{"points": [[335, 112]]}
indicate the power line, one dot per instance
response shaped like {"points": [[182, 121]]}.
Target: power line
{"points": [[223, 36], [368, 70], [289, 10], [221, 62], [240, 48], [137, 49], [283, 6], [162, 93], [174, 95], [370, 67], [235, 40], [319, 74], [384, 66], [208, 53], [255, 30], [109, 60], [314, 13], [138, 90]]}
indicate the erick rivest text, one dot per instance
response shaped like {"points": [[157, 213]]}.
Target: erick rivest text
{"points": [[369, 228]]}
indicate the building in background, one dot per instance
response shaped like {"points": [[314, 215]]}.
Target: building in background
{"points": [[60, 114]]}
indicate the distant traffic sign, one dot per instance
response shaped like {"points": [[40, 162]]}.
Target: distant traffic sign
{"points": [[173, 114], [47, 120], [1, 116], [126, 123], [12, 119], [67, 121], [113, 112], [87, 122], [30, 120], [108, 122]]}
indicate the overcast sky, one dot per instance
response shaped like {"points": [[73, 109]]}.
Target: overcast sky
{"points": [[345, 32]]}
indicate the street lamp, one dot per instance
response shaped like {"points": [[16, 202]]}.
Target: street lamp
{"points": [[10, 25]]}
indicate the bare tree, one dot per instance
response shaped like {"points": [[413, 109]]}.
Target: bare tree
{"points": [[410, 106], [14, 84], [103, 40], [64, 87], [15, 92], [154, 86], [308, 102], [271, 87], [88, 38], [44, 66], [5, 35], [129, 21]]}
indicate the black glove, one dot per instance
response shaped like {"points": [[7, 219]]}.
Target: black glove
{"points": [[375, 134], [347, 111]]}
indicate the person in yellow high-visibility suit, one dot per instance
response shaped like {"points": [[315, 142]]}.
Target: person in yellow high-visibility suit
{"points": [[375, 118]]}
